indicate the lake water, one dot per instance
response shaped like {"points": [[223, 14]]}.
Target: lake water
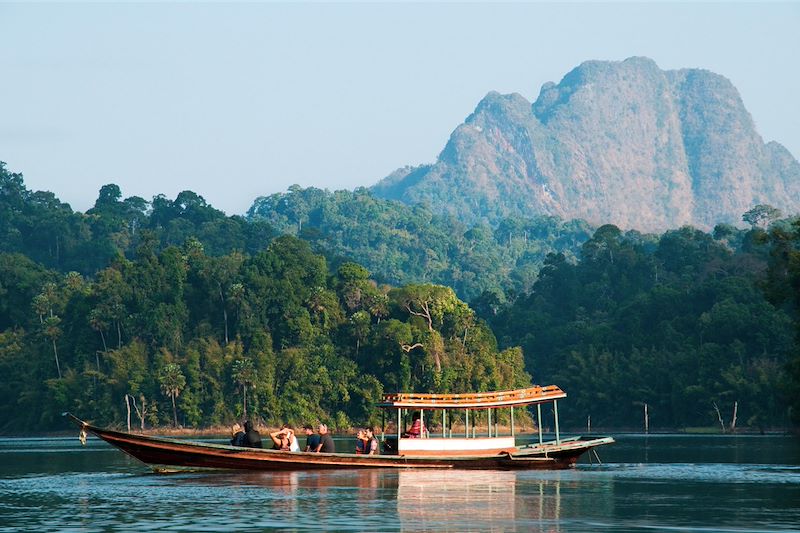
{"points": [[653, 483]]}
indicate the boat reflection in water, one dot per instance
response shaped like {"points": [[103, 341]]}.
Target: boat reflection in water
{"points": [[415, 500], [484, 500]]}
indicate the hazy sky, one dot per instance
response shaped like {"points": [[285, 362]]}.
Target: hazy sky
{"points": [[234, 101]]}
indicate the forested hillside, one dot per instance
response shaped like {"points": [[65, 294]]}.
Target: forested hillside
{"points": [[402, 244], [199, 318], [198, 339], [686, 323]]}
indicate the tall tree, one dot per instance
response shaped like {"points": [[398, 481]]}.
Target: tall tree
{"points": [[172, 382], [761, 215], [244, 374]]}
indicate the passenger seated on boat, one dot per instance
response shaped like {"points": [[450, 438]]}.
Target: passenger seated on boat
{"points": [[294, 446], [284, 439], [326, 445], [417, 429], [372, 442], [361, 442], [237, 435], [313, 440], [252, 438]]}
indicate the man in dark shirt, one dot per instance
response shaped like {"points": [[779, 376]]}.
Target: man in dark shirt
{"points": [[313, 440], [252, 438], [238, 436], [326, 445]]}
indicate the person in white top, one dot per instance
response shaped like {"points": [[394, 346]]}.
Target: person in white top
{"points": [[293, 445], [285, 439]]}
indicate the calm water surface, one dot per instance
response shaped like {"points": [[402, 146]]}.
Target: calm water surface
{"points": [[655, 483]]}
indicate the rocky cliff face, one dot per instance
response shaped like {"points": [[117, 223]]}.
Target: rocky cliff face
{"points": [[614, 142]]}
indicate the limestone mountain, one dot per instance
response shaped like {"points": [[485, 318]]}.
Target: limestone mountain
{"points": [[614, 142]]}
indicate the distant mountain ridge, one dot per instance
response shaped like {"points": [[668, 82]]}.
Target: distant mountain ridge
{"points": [[613, 142]]}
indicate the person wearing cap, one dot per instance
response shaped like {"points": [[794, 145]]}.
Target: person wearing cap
{"points": [[313, 440]]}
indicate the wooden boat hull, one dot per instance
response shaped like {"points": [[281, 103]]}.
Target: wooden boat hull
{"points": [[160, 452]]}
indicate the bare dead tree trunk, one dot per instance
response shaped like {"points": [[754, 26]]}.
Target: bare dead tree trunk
{"points": [[426, 314], [128, 406], [55, 351], [733, 421], [646, 420], [103, 338], [144, 410], [408, 347], [719, 416], [225, 316], [224, 312], [245, 400], [139, 413]]}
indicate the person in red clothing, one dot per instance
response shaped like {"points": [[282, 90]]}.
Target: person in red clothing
{"points": [[417, 428]]}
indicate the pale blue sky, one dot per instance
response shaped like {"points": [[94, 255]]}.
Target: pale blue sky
{"points": [[234, 101]]}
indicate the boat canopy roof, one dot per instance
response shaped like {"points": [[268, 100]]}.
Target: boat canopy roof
{"points": [[478, 400]]}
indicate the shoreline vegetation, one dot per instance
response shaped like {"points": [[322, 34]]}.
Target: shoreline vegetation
{"points": [[225, 431], [170, 312]]}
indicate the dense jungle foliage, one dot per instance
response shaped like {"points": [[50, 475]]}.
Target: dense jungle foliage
{"points": [[687, 323], [402, 244], [197, 318], [197, 339]]}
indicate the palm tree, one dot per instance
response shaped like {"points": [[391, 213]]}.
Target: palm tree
{"points": [[244, 374], [236, 297], [97, 323], [43, 305], [172, 383], [53, 332]]}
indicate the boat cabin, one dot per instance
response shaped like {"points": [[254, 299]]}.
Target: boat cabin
{"points": [[477, 439]]}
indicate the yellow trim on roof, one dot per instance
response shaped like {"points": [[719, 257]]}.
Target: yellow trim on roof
{"points": [[478, 400]]}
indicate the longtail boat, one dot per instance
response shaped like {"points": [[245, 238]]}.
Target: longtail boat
{"points": [[467, 449]]}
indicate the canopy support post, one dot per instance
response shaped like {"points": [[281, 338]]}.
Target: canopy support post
{"points": [[399, 427], [555, 410], [539, 420], [489, 421], [466, 423], [512, 420]]}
